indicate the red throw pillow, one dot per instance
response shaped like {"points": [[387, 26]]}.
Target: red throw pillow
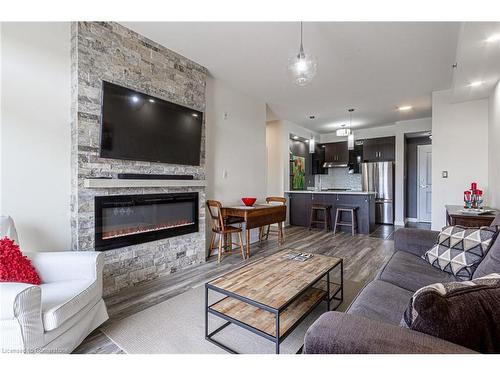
{"points": [[14, 266]]}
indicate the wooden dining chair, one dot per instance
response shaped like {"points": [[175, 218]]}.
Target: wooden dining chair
{"points": [[224, 232], [266, 230]]}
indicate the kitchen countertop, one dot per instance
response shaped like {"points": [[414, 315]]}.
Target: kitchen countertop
{"points": [[340, 192]]}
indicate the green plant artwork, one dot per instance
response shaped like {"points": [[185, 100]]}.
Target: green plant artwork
{"points": [[298, 172]]}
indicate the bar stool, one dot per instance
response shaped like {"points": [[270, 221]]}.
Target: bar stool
{"points": [[266, 230], [354, 220], [325, 208]]}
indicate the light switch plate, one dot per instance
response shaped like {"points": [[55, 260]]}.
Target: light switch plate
{"points": [[444, 174]]}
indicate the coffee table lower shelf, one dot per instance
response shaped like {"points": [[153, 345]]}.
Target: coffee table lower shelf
{"points": [[266, 322]]}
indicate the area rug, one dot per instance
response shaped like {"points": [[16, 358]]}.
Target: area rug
{"points": [[177, 326]]}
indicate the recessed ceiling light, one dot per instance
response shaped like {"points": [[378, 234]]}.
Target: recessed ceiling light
{"points": [[295, 137], [135, 98], [493, 38], [195, 115], [405, 108], [151, 100], [307, 141], [475, 83]]}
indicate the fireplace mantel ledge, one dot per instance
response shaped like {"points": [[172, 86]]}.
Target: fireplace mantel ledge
{"points": [[105, 183]]}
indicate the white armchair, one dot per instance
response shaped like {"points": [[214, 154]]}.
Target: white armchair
{"points": [[57, 315]]}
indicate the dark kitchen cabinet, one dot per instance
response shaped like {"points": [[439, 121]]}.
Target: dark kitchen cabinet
{"points": [[318, 159], [379, 149], [300, 208], [337, 153]]}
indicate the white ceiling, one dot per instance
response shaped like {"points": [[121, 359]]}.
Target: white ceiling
{"points": [[372, 67], [477, 60]]}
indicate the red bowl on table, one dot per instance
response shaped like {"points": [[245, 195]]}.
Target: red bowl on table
{"points": [[248, 201]]}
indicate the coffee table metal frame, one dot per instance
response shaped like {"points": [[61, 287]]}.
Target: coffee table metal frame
{"points": [[276, 339]]}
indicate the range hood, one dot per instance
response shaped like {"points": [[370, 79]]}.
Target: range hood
{"points": [[332, 164]]}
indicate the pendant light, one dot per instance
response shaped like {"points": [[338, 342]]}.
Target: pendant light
{"points": [[302, 67], [312, 144], [350, 137]]}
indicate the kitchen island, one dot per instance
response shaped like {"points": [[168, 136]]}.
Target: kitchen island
{"points": [[300, 202]]}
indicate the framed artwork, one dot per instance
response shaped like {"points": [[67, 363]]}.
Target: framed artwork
{"points": [[298, 172]]}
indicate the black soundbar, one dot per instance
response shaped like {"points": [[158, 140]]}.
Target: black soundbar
{"points": [[139, 176]]}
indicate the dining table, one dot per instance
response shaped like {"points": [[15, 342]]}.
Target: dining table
{"points": [[257, 216]]}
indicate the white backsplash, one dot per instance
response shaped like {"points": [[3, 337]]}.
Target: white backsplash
{"points": [[338, 178]]}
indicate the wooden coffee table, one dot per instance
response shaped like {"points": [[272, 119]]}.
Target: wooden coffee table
{"points": [[272, 296]]}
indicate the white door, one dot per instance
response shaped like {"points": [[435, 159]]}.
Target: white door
{"points": [[424, 181]]}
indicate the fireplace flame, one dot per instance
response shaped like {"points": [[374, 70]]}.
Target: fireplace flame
{"points": [[143, 228]]}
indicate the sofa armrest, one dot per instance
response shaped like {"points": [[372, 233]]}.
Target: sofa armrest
{"points": [[21, 327], [340, 333], [68, 265], [13, 296], [414, 241]]}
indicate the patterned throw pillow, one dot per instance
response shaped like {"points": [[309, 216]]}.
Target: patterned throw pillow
{"points": [[465, 313], [459, 250]]}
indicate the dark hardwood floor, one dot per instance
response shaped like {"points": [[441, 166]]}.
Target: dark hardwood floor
{"points": [[363, 256]]}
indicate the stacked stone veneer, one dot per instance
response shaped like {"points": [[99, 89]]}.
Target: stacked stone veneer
{"points": [[111, 52]]}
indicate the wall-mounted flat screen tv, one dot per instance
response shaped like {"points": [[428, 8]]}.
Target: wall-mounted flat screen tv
{"points": [[136, 126]]}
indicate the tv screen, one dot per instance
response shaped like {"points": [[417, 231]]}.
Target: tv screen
{"points": [[136, 126]]}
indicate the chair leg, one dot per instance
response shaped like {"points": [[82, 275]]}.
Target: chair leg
{"points": [[261, 233], [241, 246], [267, 233], [211, 246], [310, 218], [280, 233], [220, 248]]}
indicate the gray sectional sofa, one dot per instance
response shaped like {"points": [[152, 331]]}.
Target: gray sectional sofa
{"points": [[371, 324]]}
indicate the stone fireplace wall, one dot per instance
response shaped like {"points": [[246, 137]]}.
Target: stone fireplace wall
{"points": [[111, 52]]}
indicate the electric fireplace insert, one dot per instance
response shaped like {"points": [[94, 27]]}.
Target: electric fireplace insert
{"points": [[123, 220]]}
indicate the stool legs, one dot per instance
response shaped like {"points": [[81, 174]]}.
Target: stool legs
{"points": [[336, 221], [311, 217]]}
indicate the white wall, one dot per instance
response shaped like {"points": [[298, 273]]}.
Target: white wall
{"points": [[494, 148], [398, 130], [275, 158], [236, 146], [460, 146], [35, 142]]}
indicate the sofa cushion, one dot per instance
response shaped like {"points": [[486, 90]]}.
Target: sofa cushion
{"points": [[491, 262], [381, 301], [459, 250], [465, 313], [62, 300], [411, 272]]}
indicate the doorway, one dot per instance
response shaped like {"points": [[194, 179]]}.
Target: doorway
{"points": [[424, 183]]}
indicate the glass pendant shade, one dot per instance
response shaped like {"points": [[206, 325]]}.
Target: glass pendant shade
{"points": [[350, 142], [312, 145], [343, 132], [302, 67]]}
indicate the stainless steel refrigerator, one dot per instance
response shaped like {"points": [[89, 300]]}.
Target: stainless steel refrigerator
{"points": [[379, 177]]}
